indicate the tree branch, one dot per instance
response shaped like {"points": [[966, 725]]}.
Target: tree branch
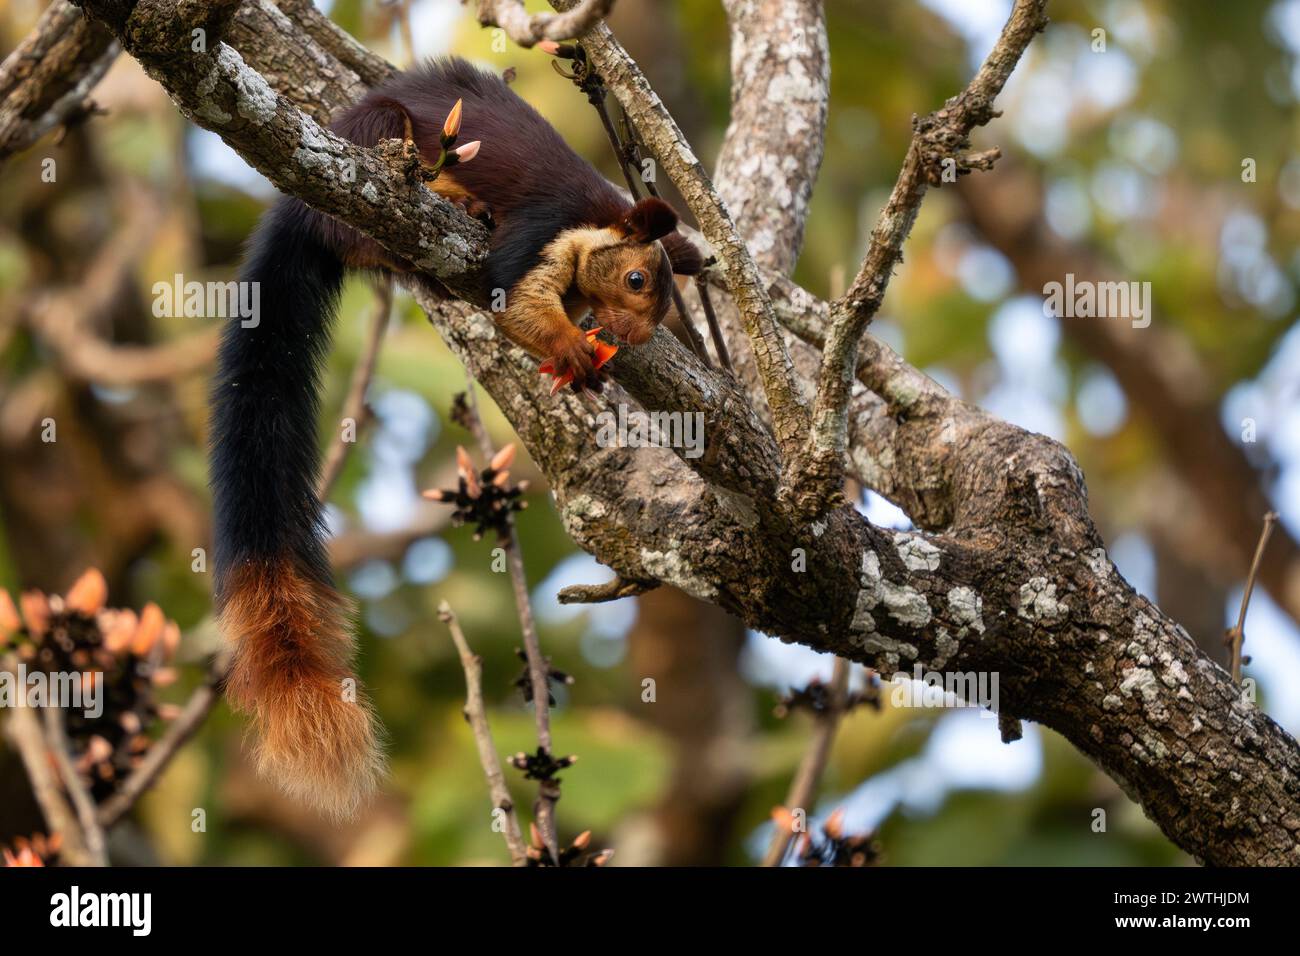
{"points": [[662, 136], [813, 481], [476, 715], [44, 83], [529, 29]]}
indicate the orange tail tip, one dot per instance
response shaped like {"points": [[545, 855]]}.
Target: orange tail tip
{"points": [[316, 736]]}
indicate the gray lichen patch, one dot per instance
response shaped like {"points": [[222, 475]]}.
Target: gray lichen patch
{"points": [[906, 605], [672, 568], [870, 569], [255, 100], [1142, 681], [890, 648], [580, 509], [945, 648], [1038, 601], [966, 608], [916, 553]]}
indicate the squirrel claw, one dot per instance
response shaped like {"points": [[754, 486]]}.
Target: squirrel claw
{"points": [[604, 352]]}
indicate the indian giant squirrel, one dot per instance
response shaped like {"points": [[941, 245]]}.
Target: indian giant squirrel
{"points": [[563, 240]]}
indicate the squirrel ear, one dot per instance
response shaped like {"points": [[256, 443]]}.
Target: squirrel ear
{"points": [[682, 254], [648, 220]]}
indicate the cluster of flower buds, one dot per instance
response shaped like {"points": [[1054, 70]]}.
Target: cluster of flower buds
{"points": [[577, 853], [833, 847], [485, 499], [816, 697], [122, 654], [525, 680], [38, 851], [604, 352], [541, 765], [447, 156]]}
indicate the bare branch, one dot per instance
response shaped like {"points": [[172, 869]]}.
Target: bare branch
{"points": [[548, 792], [24, 732], [160, 754], [92, 833], [646, 111], [529, 29], [44, 83], [354, 405], [813, 482], [772, 150], [1237, 634], [476, 715], [803, 789], [607, 591]]}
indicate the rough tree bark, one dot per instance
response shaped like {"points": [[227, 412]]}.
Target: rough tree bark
{"points": [[1008, 573]]}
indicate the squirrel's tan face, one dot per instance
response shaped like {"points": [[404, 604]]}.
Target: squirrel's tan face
{"points": [[629, 287]]}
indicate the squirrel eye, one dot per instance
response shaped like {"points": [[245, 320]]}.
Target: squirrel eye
{"points": [[636, 280]]}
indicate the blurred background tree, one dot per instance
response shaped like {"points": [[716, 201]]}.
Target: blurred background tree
{"points": [[1164, 148]]}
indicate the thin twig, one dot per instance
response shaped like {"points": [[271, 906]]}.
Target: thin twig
{"points": [[354, 405], [1237, 634], [804, 786], [92, 832], [24, 731], [548, 792], [627, 153], [476, 714], [620, 587], [715, 329], [184, 727]]}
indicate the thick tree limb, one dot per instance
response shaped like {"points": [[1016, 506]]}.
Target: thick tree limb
{"points": [[218, 91], [44, 83], [772, 150]]}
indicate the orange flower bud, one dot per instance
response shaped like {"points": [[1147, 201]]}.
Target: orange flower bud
{"points": [[171, 638], [36, 611], [10, 622], [151, 627], [89, 593], [451, 127], [504, 458], [466, 469], [118, 628]]}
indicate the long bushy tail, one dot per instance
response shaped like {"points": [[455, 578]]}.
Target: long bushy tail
{"points": [[292, 666]]}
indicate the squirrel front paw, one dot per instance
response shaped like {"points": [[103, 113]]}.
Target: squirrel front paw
{"points": [[577, 361]]}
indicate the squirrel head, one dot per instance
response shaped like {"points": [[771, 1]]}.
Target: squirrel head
{"points": [[628, 278]]}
